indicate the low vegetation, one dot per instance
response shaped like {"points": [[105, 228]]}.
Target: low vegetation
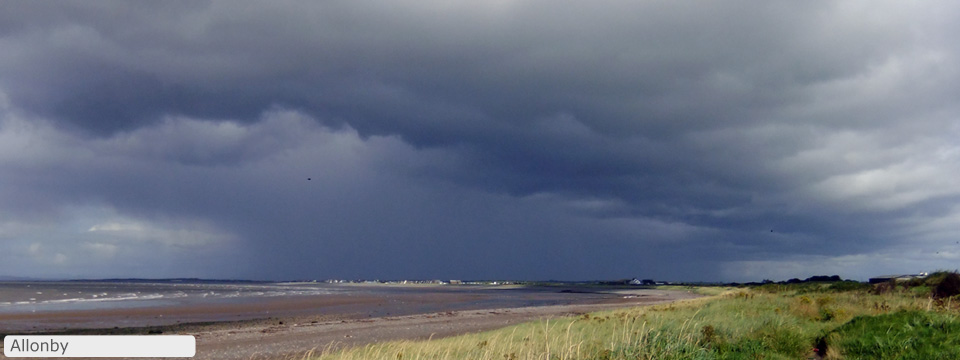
{"points": [[905, 334], [919, 319]]}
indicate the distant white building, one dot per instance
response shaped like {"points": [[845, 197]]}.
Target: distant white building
{"points": [[897, 278]]}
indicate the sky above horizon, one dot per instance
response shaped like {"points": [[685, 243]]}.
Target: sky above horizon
{"points": [[697, 141]]}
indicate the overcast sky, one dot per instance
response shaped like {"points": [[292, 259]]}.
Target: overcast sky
{"points": [[720, 140]]}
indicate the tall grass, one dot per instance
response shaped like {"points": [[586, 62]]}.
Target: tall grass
{"points": [[741, 324], [900, 335]]}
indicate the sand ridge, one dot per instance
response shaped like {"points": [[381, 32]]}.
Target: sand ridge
{"points": [[297, 336]]}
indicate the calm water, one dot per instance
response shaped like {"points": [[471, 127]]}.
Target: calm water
{"points": [[25, 297]]}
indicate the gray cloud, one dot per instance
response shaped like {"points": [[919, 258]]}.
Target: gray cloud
{"points": [[503, 139]]}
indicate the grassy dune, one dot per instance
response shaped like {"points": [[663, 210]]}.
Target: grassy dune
{"points": [[805, 321]]}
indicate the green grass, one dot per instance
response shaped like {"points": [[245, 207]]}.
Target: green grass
{"points": [[910, 334], [768, 322]]}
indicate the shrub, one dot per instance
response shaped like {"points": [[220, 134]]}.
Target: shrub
{"points": [[936, 277], [826, 314], [884, 287], [921, 291], [709, 335], [949, 286], [848, 285]]}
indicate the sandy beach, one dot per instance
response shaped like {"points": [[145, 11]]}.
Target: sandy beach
{"points": [[290, 327]]}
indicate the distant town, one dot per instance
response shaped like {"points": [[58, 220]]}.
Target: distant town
{"points": [[625, 282], [634, 281], [620, 282]]}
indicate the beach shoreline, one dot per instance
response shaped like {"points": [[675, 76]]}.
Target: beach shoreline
{"points": [[290, 327]]}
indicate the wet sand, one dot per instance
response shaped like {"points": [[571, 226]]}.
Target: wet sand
{"points": [[289, 327]]}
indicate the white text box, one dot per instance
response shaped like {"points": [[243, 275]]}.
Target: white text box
{"points": [[99, 346]]}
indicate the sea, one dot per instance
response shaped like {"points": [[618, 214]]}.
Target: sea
{"points": [[60, 305], [48, 296]]}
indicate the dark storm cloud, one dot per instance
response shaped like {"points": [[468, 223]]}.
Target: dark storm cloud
{"points": [[506, 137], [430, 70]]}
